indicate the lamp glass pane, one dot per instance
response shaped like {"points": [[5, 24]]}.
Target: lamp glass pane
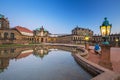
{"points": [[86, 38], [103, 30], [108, 30]]}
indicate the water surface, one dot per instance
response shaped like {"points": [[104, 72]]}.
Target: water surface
{"points": [[42, 65]]}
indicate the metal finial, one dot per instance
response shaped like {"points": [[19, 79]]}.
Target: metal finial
{"points": [[105, 18]]}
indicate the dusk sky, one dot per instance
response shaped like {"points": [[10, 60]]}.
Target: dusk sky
{"points": [[61, 16]]}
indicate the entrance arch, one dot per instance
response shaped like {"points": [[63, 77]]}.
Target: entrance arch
{"points": [[42, 39]]}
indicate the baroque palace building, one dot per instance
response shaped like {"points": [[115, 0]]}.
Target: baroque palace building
{"points": [[16, 35], [22, 35], [112, 39], [77, 36], [41, 35]]}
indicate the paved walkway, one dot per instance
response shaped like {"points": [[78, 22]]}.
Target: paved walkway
{"points": [[110, 61]]}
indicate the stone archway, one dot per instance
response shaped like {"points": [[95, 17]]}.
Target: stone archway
{"points": [[42, 39]]}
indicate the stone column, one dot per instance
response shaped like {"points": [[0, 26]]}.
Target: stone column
{"points": [[86, 45], [105, 60], [116, 44]]}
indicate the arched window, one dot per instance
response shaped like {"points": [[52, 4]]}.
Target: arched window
{"points": [[12, 36], [42, 39], [5, 35]]}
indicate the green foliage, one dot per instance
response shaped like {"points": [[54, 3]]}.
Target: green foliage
{"points": [[11, 45]]}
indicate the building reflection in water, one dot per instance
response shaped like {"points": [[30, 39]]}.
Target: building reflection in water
{"points": [[18, 53], [4, 62], [5, 55], [40, 51], [10, 53]]}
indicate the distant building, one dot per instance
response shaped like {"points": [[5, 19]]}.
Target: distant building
{"points": [[26, 35], [4, 23], [112, 39], [78, 34], [22, 35], [64, 39], [17, 35], [41, 35]]}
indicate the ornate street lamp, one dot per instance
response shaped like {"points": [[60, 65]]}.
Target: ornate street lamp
{"points": [[116, 40], [87, 38], [86, 42], [105, 29]]}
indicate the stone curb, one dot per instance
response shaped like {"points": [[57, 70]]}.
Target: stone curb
{"points": [[100, 72]]}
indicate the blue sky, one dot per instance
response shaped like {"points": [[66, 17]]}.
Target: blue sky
{"points": [[61, 16]]}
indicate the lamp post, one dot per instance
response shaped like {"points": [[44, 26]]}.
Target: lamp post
{"points": [[105, 29], [86, 42], [116, 40]]}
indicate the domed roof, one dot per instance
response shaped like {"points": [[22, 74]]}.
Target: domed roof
{"points": [[39, 29]]}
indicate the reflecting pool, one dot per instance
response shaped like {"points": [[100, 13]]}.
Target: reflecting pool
{"points": [[39, 63]]}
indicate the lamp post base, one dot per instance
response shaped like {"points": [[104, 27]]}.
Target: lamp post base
{"points": [[116, 45], [105, 60], [105, 43], [86, 46]]}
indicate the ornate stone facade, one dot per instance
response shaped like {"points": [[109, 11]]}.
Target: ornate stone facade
{"points": [[17, 35], [78, 35], [22, 35], [40, 35], [4, 23], [112, 39], [64, 39]]}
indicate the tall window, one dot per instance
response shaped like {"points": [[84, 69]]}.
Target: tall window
{"points": [[5, 35], [12, 36]]}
